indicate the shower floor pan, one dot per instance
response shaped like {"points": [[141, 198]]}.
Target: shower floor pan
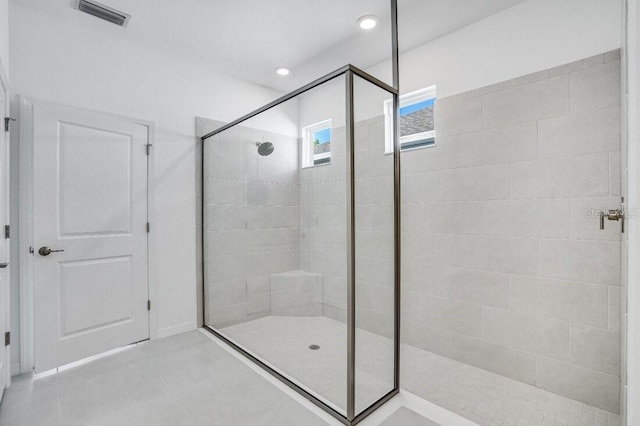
{"points": [[479, 395]]}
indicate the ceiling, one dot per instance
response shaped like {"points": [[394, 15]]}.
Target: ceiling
{"points": [[249, 38]]}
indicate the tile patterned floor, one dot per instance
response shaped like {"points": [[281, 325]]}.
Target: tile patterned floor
{"points": [[176, 381], [173, 381], [284, 343], [481, 396]]}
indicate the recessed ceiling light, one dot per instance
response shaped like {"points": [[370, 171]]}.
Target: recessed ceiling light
{"points": [[367, 22], [282, 71]]}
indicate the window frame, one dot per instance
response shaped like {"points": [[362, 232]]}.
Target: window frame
{"points": [[407, 99], [308, 156]]}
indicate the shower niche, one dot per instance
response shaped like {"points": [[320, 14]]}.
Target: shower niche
{"points": [[300, 241]]}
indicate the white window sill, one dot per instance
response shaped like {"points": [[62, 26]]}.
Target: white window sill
{"points": [[414, 148]]}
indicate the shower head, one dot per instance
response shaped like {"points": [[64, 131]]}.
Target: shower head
{"points": [[264, 148]]}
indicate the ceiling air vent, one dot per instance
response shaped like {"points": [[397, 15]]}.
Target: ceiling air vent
{"points": [[101, 11]]}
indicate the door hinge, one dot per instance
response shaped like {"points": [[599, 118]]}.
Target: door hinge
{"points": [[148, 305], [149, 148], [7, 338], [7, 123], [7, 231], [148, 227]]}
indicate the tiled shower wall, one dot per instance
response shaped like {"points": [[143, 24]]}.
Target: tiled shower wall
{"points": [[504, 264], [323, 231], [251, 222], [323, 226]]}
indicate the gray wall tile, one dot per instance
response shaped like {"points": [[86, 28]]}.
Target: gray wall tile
{"points": [[614, 308], [612, 55], [463, 218], [529, 78], [411, 306], [460, 117], [499, 145], [584, 132], [577, 65], [423, 277], [439, 249], [220, 243], [459, 317], [498, 359], [475, 183], [484, 288], [576, 176], [498, 254], [598, 389], [453, 98], [225, 191], [445, 154], [559, 132], [596, 87], [511, 363], [420, 187], [563, 300], [585, 261], [225, 268], [596, 349], [543, 99], [543, 218], [528, 333], [615, 171], [486, 90]]}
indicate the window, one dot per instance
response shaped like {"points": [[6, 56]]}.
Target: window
{"points": [[316, 144], [417, 127]]}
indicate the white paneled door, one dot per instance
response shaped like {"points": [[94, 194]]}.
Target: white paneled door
{"points": [[90, 233]]}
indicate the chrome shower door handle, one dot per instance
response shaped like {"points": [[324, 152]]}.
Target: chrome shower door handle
{"points": [[617, 215]]}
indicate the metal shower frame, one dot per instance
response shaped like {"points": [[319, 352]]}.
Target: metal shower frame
{"points": [[349, 71]]}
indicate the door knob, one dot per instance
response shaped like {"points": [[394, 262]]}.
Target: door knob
{"points": [[46, 251]]}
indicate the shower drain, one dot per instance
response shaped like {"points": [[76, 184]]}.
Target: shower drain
{"points": [[314, 347]]}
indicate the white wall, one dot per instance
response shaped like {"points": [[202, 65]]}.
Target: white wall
{"points": [[70, 62], [531, 36], [4, 34]]}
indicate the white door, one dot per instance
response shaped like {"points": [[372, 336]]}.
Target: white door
{"points": [[4, 243], [90, 211]]}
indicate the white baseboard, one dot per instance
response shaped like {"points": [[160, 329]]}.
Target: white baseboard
{"points": [[177, 329], [15, 369]]}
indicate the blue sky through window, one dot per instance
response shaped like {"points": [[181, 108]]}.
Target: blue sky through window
{"points": [[322, 136], [416, 107]]}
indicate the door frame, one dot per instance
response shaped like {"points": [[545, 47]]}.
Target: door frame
{"points": [[4, 81], [26, 195], [631, 43]]}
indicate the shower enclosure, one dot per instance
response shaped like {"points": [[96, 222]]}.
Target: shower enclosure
{"points": [[301, 239], [300, 242]]}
